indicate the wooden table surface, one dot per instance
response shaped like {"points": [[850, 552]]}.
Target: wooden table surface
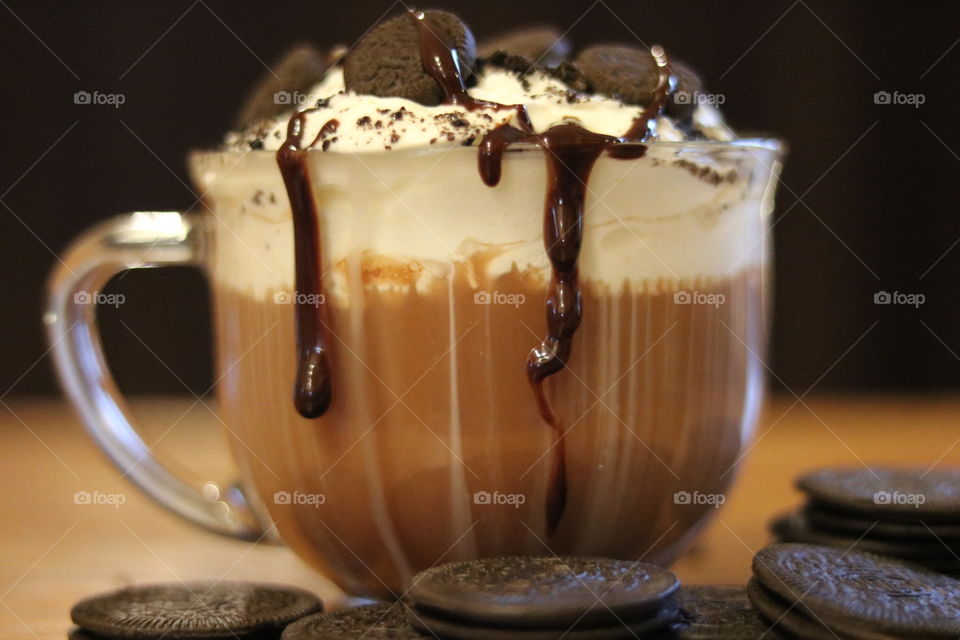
{"points": [[55, 551]]}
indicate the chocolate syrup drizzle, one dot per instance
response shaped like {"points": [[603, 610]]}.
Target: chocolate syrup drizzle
{"points": [[312, 390], [570, 152]]}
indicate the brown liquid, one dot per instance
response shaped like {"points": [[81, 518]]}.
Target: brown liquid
{"points": [[675, 388]]}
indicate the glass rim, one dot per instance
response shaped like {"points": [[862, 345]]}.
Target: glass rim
{"points": [[777, 145]]}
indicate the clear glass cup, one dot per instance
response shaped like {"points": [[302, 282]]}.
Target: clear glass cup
{"points": [[433, 448]]}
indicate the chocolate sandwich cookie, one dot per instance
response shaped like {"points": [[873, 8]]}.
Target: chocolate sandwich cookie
{"points": [[709, 612], [626, 72], [387, 63], [452, 629], [542, 592], [859, 525], [278, 91], [932, 554], [860, 594], [543, 45], [208, 610], [780, 615], [373, 622], [790, 619], [899, 495], [794, 527]]}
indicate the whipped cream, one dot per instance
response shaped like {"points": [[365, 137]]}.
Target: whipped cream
{"points": [[369, 123], [400, 183], [647, 220]]}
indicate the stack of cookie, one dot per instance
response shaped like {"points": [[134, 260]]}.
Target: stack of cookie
{"points": [[814, 592], [913, 515], [543, 597], [516, 598]]}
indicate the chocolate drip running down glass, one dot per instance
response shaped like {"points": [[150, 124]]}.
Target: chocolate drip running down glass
{"points": [[396, 260]]}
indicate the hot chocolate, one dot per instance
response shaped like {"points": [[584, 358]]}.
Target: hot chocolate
{"points": [[407, 258], [519, 305]]}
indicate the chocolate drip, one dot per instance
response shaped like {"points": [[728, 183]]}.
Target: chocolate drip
{"points": [[312, 390], [490, 156], [643, 125], [570, 152], [438, 55]]}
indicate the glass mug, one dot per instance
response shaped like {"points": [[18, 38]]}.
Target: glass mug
{"points": [[433, 448]]}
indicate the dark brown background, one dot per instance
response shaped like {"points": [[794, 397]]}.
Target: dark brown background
{"points": [[879, 183]]}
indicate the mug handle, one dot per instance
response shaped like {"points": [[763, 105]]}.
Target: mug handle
{"points": [[138, 240]]}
